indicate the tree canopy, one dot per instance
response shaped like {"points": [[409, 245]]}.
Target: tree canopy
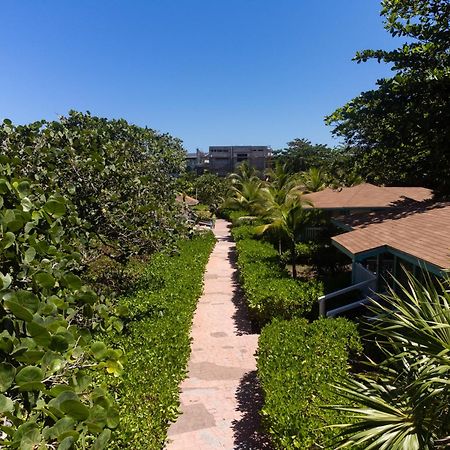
{"points": [[119, 177], [400, 130]]}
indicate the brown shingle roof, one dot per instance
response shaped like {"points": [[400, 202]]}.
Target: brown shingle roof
{"points": [[187, 200], [423, 233], [367, 195]]}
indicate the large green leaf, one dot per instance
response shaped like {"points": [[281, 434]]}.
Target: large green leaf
{"points": [[6, 404], [73, 281], [39, 333], [44, 279], [27, 299], [66, 443], [29, 255], [102, 440], [5, 281], [30, 378], [18, 310], [55, 208], [75, 409], [7, 373], [8, 239], [99, 349], [61, 426]]}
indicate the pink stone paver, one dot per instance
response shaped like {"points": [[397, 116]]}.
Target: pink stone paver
{"points": [[217, 396]]}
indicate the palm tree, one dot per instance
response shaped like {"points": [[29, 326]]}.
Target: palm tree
{"points": [[244, 173], [280, 178], [245, 195], [285, 213], [315, 180], [404, 402]]}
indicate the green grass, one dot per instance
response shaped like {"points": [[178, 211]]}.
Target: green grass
{"points": [[157, 345]]}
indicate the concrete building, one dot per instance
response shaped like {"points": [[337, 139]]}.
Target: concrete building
{"points": [[223, 160], [197, 162]]}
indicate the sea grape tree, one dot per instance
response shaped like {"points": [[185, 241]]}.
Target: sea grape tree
{"points": [[47, 314]]}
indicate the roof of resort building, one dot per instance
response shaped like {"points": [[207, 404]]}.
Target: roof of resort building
{"points": [[367, 195], [422, 232], [183, 198]]}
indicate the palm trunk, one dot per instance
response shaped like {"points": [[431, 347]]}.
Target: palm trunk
{"points": [[294, 267], [279, 246]]}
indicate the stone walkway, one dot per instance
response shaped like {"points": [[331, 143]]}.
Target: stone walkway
{"points": [[220, 398]]}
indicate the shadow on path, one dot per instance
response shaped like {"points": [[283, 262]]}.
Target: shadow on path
{"points": [[241, 317], [247, 431]]}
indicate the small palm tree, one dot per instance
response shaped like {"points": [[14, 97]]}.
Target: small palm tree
{"points": [[404, 402], [244, 173], [280, 178], [245, 196], [286, 214], [314, 180]]}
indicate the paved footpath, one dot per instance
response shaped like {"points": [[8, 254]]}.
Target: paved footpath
{"points": [[220, 397]]}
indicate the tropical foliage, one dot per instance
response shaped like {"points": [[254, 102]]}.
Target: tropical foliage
{"points": [[78, 196], [208, 189], [287, 217], [269, 290], [48, 315], [403, 402], [403, 124], [119, 179]]}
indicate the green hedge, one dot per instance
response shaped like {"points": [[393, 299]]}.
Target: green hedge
{"points": [[297, 363], [269, 289], [244, 232], [157, 345]]}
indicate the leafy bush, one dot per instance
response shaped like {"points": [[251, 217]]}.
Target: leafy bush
{"points": [[297, 363], [269, 290], [157, 345], [236, 215], [47, 397], [119, 178], [244, 232]]}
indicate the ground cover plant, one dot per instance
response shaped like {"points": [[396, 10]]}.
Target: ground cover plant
{"points": [[156, 343], [297, 364]]}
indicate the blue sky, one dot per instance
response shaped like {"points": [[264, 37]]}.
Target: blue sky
{"points": [[211, 72]]}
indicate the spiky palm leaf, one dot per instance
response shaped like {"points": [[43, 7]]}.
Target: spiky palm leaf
{"points": [[245, 196], [403, 403]]}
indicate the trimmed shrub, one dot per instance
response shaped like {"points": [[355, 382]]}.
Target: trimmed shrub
{"points": [[234, 216], [269, 289], [156, 344], [244, 232], [297, 364]]}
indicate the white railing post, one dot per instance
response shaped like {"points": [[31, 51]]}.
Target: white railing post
{"points": [[322, 307]]}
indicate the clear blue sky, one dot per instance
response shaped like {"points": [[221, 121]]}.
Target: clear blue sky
{"points": [[211, 72]]}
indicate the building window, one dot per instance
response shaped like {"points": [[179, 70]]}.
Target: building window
{"points": [[242, 157]]}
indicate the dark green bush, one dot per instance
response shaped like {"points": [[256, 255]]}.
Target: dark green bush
{"points": [[157, 345], [269, 289], [297, 364]]}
